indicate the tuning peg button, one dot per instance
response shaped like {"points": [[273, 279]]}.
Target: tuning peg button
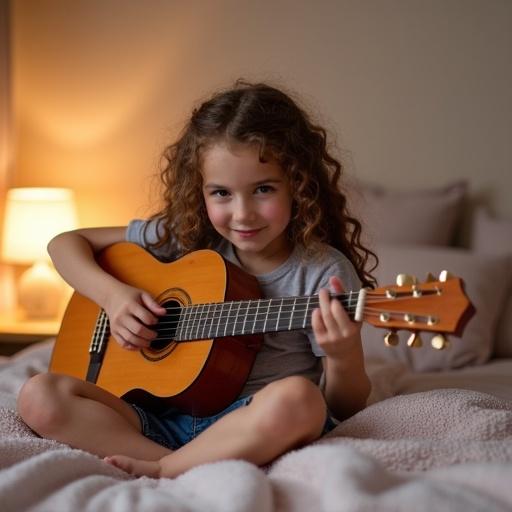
{"points": [[430, 278], [445, 275], [405, 280], [414, 340], [439, 342], [391, 339]]}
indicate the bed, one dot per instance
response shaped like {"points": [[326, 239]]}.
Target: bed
{"points": [[437, 434]]}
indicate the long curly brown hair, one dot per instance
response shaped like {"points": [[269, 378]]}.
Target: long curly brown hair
{"points": [[264, 115]]}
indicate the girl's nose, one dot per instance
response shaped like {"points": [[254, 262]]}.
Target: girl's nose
{"points": [[243, 211]]}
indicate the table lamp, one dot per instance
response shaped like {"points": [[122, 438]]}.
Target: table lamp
{"points": [[33, 216]]}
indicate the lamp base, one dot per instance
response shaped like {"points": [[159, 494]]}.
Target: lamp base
{"points": [[40, 291]]}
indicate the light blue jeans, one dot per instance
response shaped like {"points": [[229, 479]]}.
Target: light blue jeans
{"points": [[173, 429]]}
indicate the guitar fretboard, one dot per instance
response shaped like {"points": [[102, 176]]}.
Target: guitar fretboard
{"points": [[214, 320]]}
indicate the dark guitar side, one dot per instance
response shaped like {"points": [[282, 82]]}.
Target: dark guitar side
{"points": [[200, 377]]}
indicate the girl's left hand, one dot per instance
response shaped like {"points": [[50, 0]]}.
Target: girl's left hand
{"points": [[334, 331]]}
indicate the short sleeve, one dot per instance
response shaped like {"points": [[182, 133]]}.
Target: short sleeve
{"points": [[145, 232]]}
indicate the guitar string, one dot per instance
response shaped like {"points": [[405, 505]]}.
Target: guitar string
{"points": [[313, 301], [234, 333], [224, 321], [368, 313], [261, 314], [266, 310], [226, 325]]}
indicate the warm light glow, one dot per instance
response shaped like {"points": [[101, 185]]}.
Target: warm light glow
{"points": [[33, 216]]}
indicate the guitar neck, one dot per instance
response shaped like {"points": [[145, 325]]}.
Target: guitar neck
{"points": [[206, 321]]}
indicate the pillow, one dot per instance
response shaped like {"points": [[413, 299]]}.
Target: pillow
{"points": [[486, 281], [494, 236], [421, 216]]}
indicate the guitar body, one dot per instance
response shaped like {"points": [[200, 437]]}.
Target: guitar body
{"points": [[200, 377]]}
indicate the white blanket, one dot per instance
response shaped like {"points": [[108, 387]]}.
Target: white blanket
{"points": [[440, 450]]}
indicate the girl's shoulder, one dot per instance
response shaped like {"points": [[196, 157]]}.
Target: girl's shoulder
{"points": [[148, 232], [323, 260], [322, 254]]}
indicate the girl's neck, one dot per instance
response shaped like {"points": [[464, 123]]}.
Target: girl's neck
{"points": [[263, 263]]}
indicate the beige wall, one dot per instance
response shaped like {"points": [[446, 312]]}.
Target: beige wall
{"points": [[418, 92], [5, 100]]}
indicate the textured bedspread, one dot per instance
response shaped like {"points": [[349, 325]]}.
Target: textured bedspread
{"points": [[447, 449]]}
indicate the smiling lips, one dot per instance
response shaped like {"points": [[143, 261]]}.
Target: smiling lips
{"points": [[247, 233]]}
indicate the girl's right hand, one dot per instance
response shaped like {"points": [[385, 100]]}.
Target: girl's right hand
{"points": [[130, 310]]}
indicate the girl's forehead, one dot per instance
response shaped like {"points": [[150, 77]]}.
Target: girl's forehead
{"points": [[222, 159]]}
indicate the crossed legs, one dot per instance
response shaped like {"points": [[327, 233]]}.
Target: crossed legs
{"points": [[285, 414]]}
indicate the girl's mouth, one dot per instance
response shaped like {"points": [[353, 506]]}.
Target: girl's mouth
{"points": [[247, 233]]}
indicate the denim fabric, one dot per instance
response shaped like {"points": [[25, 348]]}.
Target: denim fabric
{"points": [[173, 429]]}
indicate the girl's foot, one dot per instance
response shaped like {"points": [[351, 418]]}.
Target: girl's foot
{"points": [[135, 467]]}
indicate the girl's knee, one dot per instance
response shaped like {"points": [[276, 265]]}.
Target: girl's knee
{"points": [[293, 406], [39, 401]]}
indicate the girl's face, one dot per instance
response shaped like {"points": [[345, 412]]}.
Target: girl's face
{"points": [[248, 203]]}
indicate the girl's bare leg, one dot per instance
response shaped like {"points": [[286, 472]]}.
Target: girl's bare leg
{"points": [[285, 414], [84, 416]]}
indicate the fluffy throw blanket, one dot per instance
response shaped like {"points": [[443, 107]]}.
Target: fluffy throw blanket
{"points": [[447, 449]]}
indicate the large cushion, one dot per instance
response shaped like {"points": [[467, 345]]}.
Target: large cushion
{"points": [[487, 278], [427, 216], [494, 236]]}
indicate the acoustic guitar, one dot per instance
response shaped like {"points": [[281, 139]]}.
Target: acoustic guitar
{"points": [[209, 337]]}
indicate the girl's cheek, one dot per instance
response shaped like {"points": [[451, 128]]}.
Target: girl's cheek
{"points": [[278, 211], [216, 215]]}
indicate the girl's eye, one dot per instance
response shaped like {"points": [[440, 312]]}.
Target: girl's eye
{"points": [[220, 193], [265, 189]]}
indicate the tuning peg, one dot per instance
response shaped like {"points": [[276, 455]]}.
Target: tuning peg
{"points": [[391, 339], [414, 340], [439, 342], [405, 280], [430, 278], [445, 275]]}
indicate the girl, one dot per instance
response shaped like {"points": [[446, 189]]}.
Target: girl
{"points": [[250, 177]]}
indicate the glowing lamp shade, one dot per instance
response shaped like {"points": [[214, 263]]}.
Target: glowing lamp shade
{"points": [[33, 216]]}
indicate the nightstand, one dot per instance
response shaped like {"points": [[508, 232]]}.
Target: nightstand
{"points": [[17, 332]]}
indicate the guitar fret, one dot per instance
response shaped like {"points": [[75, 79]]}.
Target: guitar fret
{"points": [[227, 320], [193, 333], [271, 316], [255, 316], [200, 310], [198, 317], [284, 319], [291, 315], [279, 313], [205, 323], [236, 317], [177, 334], [266, 317], [189, 322], [187, 326], [306, 315], [217, 319], [245, 318]]}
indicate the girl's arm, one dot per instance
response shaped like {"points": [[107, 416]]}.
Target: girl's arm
{"points": [[129, 309], [73, 253], [347, 385]]}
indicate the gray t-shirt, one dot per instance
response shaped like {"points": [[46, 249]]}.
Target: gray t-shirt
{"points": [[304, 273]]}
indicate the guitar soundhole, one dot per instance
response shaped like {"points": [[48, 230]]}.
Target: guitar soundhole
{"points": [[166, 327]]}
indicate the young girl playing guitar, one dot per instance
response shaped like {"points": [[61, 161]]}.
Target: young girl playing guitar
{"points": [[250, 177]]}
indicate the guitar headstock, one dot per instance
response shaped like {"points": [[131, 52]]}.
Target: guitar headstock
{"points": [[438, 306]]}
